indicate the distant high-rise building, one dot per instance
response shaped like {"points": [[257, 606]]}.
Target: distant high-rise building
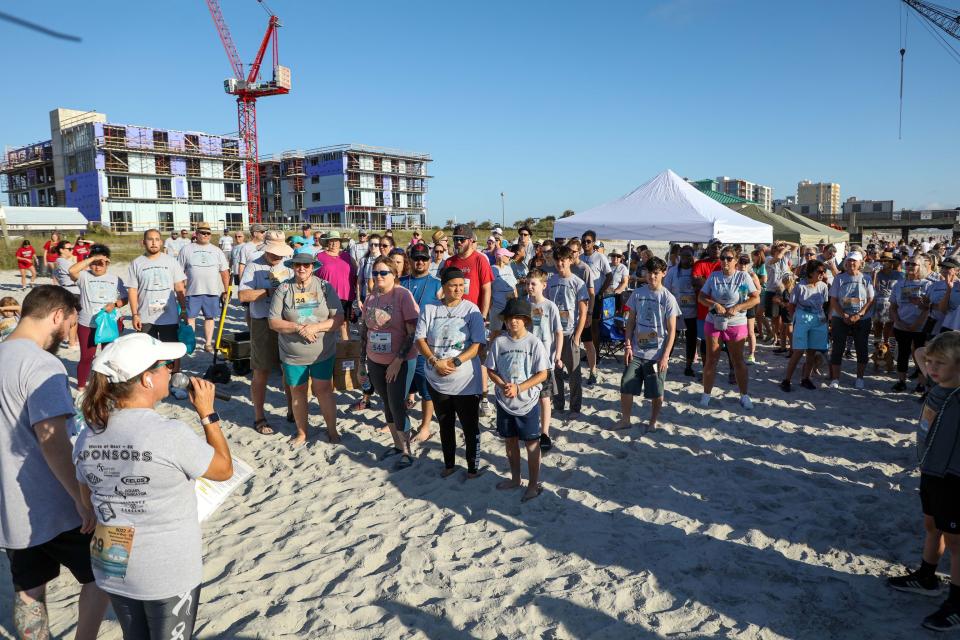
{"points": [[821, 198], [761, 194]]}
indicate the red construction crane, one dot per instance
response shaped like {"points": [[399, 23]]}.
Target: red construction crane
{"points": [[248, 88]]}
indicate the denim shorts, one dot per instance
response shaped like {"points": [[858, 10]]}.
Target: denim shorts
{"points": [[209, 305], [526, 428], [298, 374]]}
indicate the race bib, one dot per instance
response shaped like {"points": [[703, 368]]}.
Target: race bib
{"points": [[110, 546], [647, 339], [101, 292], [381, 342], [851, 305], [156, 304]]}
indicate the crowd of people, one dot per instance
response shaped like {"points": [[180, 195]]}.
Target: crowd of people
{"points": [[442, 318]]}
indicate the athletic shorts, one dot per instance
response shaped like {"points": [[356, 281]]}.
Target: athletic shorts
{"points": [[298, 374], [526, 428], [36, 566], [548, 388], [236, 280], [735, 333], [772, 309], [940, 498], [208, 305], [162, 332], [597, 309], [640, 377], [809, 331], [587, 335], [419, 383], [752, 312], [264, 351]]}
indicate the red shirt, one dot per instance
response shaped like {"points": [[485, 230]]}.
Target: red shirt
{"points": [[477, 270], [25, 257], [50, 249], [703, 269], [81, 251]]}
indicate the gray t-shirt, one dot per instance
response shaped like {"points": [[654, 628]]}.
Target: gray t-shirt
{"points": [[141, 471], [34, 506], [448, 332], [937, 292], [61, 273], [154, 281], [679, 282], [618, 274], [810, 298], [566, 293], [256, 275], [729, 291], [585, 272], [203, 264], [96, 292], [775, 271], [852, 293], [517, 361], [886, 282], [906, 294], [315, 301], [546, 324], [503, 287], [652, 311], [599, 266], [249, 251]]}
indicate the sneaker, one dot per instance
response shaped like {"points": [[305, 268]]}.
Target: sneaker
{"points": [[751, 360], [732, 378], [704, 399], [900, 386], [485, 408], [179, 394], [947, 618], [785, 385], [545, 443], [914, 583], [746, 402], [859, 383], [834, 384], [689, 372], [807, 383]]}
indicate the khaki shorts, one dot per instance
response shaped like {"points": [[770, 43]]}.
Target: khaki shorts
{"points": [[264, 351]]}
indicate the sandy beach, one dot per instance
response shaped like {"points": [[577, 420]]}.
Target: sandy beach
{"points": [[775, 523]]}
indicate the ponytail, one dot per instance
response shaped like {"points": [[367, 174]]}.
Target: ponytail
{"points": [[102, 397]]}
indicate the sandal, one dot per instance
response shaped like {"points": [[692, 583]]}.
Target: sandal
{"points": [[405, 462], [363, 405], [389, 453], [261, 427]]}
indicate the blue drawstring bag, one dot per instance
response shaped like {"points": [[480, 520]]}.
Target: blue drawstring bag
{"points": [[187, 336], [105, 324]]}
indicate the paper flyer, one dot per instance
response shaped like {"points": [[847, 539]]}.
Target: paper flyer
{"points": [[212, 494]]}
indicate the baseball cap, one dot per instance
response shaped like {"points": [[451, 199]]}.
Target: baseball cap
{"points": [[128, 356], [463, 230], [257, 228], [497, 231], [419, 251], [855, 255], [450, 273], [298, 240], [503, 252], [517, 307], [950, 263]]}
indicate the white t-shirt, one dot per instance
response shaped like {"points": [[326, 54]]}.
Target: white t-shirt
{"points": [[226, 243]]}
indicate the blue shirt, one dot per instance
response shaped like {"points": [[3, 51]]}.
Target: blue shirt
{"points": [[425, 289]]}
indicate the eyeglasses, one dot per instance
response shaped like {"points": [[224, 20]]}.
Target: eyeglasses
{"points": [[439, 252], [381, 274], [728, 258], [163, 363]]}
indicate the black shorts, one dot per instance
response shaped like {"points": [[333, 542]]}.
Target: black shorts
{"points": [[162, 332], [751, 312], [940, 499], [597, 309], [36, 566], [587, 335], [236, 280]]}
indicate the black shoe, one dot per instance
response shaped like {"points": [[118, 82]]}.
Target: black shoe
{"points": [[900, 386], [545, 443], [807, 383], [592, 380], [732, 378], [785, 385], [913, 582], [947, 618], [689, 372], [914, 374], [290, 417]]}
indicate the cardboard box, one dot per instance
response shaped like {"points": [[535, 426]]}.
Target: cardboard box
{"points": [[346, 366]]}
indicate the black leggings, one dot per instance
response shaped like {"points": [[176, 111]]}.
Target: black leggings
{"points": [[907, 341], [394, 393], [839, 330], [448, 409], [690, 338], [169, 619]]}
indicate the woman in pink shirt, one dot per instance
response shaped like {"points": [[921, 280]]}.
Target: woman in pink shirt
{"points": [[386, 332], [337, 268]]}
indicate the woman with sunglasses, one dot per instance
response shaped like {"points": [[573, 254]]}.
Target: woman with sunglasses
{"points": [[146, 550], [61, 275], [727, 293], [806, 305], [678, 281], [307, 313], [909, 308], [438, 255], [387, 343]]}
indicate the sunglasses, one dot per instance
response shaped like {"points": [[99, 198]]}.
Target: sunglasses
{"points": [[68, 248], [728, 258], [421, 259], [381, 274], [912, 264], [821, 271], [203, 233], [460, 239], [163, 363], [302, 265], [385, 245], [809, 254], [438, 251]]}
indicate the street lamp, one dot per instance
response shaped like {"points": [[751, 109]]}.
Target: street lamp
{"points": [[503, 215]]}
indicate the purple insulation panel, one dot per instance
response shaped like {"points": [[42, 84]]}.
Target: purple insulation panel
{"points": [[98, 129], [330, 208], [179, 187], [133, 137], [99, 161], [328, 168], [31, 176], [216, 145], [146, 138], [33, 197], [83, 192], [204, 144], [178, 166], [175, 140]]}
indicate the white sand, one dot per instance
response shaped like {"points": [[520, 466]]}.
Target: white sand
{"points": [[776, 523]]}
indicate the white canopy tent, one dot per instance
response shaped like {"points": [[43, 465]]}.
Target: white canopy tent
{"points": [[667, 208]]}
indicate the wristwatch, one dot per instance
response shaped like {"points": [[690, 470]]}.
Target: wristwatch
{"points": [[457, 362], [210, 419]]}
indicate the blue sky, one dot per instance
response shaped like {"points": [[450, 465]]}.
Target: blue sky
{"points": [[558, 104]]}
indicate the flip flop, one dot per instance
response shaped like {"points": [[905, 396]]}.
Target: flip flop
{"points": [[264, 429], [389, 453]]}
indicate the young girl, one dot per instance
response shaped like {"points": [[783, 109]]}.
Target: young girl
{"points": [[938, 442], [9, 316], [26, 255]]}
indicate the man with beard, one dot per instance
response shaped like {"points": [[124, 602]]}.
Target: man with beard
{"points": [[43, 523]]}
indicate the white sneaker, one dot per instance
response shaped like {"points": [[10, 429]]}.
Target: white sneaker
{"points": [[834, 384], [746, 402], [859, 383], [704, 399], [178, 393]]}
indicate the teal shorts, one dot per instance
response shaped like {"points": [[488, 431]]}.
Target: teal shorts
{"points": [[298, 374]]}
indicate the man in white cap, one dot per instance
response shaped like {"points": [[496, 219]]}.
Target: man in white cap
{"points": [[498, 235], [208, 276], [251, 249], [261, 277]]}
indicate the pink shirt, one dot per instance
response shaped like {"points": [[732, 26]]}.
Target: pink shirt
{"points": [[386, 317], [339, 272]]}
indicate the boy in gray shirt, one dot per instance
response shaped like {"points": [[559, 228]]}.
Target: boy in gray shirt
{"points": [[569, 293]]}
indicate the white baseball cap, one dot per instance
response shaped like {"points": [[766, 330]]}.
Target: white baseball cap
{"points": [[497, 231], [128, 356], [855, 255]]}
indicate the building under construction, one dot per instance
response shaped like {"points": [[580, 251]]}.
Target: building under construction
{"points": [[350, 185], [130, 178]]}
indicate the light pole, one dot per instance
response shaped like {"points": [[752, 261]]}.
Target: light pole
{"points": [[503, 215]]}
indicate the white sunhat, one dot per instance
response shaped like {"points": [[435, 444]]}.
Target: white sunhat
{"points": [[130, 355]]}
